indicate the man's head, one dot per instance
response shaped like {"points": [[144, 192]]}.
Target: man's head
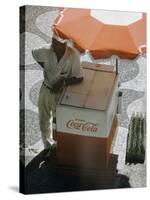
{"points": [[58, 44]]}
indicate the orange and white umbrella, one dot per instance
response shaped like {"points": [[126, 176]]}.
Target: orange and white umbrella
{"points": [[103, 33]]}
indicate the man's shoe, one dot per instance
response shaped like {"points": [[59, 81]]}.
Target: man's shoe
{"points": [[53, 143], [47, 153], [50, 150]]}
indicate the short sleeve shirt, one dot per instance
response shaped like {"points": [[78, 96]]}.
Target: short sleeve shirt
{"points": [[68, 66]]}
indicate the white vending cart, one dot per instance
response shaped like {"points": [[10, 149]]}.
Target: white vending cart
{"points": [[86, 122]]}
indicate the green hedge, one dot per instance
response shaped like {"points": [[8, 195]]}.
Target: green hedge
{"points": [[135, 152]]}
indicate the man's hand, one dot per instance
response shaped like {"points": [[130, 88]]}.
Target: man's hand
{"points": [[73, 80], [58, 85]]}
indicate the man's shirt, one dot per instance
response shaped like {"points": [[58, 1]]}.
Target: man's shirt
{"points": [[67, 67]]}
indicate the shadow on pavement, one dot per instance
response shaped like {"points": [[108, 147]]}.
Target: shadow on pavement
{"points": [[35, 162], [42, 177]]}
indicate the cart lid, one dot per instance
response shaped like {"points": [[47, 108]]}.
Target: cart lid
{"points": [[94, 92]]}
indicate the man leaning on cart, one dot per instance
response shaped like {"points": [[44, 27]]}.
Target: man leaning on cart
{"points": [[61, 66]]}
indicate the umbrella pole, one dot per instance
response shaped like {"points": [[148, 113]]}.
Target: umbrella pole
{"points": [[117, 66]]}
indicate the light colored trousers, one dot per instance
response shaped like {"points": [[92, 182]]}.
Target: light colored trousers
{"points": [[47, 106]]}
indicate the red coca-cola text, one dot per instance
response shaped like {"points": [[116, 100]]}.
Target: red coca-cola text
{"points": [[82, 125]]}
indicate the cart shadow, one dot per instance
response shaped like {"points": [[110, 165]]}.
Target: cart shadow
{"points": [[42, 176], [35, 163]]}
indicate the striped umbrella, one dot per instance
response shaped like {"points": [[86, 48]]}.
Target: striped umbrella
{"points": [[103, 33]]}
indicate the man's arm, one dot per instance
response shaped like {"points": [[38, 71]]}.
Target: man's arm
{"points": [[68, 81], [37, 55], [41, 64], [73, 80], [76, 71], [58, 84]]}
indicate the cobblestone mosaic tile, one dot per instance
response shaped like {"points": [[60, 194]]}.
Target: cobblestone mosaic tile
{"points": [[31, 78], [138, 105], [44, 22], [34, 92], [32, 41], [32, 14], [128, 97], [128, 69], [138, 82], [32, 130]]}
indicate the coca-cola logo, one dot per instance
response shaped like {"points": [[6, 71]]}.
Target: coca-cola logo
{"points": [[82, 125]]}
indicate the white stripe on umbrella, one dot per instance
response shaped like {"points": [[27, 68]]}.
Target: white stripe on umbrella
{"points": [[116, 17], [61, 16]]}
